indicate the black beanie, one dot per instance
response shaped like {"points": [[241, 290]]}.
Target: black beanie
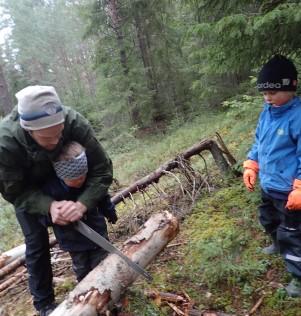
{"points": [[279, 73]]}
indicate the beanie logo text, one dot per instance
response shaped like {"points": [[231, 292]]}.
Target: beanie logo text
{"points": [[269, 85], [286, 82]]}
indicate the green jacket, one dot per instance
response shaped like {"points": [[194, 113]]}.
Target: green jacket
{"points": [[25, 166]]}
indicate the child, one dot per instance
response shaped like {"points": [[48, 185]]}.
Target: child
{"points": [[276, 156], [71, 168]]}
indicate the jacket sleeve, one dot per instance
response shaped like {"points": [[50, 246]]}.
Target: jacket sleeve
{"points": [[100, 170], [14, 188]]}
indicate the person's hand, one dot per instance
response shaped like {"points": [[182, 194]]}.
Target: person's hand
{"points": [[73, 211], [294, 198], [250, 174], [55, 213]]}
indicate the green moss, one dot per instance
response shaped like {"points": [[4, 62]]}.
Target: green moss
{"points": [[64, 287], [140, 305]]}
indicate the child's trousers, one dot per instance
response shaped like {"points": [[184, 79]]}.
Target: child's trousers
{"points": [[85, 261], [284, 226]]}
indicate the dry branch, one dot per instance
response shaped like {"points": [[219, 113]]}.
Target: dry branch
{"points": [[226, 151], [163, 296], [104, 285], [256, 306], [154, 177]]}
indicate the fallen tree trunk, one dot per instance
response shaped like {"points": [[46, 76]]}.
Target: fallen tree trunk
{"points": [[154, 177], [104, 285]]}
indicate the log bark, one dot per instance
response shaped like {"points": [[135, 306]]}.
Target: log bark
{"points": [[207, 144], [104, 285]]}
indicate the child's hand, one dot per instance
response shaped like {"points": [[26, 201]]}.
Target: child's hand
{"points": [[250, 174], [112, 217], [294, 198], [72, 211], [56, 214], [250, 179]]}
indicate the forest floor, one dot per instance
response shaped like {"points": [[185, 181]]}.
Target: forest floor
{"points": [[215, 265]]}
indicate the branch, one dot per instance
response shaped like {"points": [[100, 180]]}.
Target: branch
{"points": [[154, 177]]}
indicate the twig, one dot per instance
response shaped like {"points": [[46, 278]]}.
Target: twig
{"points": [[133, 201], [177, 244], [256, 306], [175, 309], [178, 180]]}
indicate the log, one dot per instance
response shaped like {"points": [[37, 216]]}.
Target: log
{"points": [[11, 255], [16, 258], [103, 286], [16, 278], [154, 177], [12, 266]]}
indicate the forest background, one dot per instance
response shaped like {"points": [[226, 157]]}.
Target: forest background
{"points": [[149, 70]]}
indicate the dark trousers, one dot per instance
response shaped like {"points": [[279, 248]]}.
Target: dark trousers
{"points": [[284, 226], [37, 258], [85, 261]]}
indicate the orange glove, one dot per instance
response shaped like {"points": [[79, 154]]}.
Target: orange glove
{"points": [[250, 173], [294, 198]]}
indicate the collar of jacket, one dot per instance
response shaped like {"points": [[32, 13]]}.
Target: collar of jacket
{"points": [[279, 110]]}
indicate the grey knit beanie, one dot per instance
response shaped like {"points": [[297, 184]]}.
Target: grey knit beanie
{"points": [[39, 107]]}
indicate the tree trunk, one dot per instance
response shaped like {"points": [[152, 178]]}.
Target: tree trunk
{"points": [[116, 24], [5, 100], [112, 276], [144, 46]]}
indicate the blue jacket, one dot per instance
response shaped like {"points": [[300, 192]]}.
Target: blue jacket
{"points": [[277, 146]]}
